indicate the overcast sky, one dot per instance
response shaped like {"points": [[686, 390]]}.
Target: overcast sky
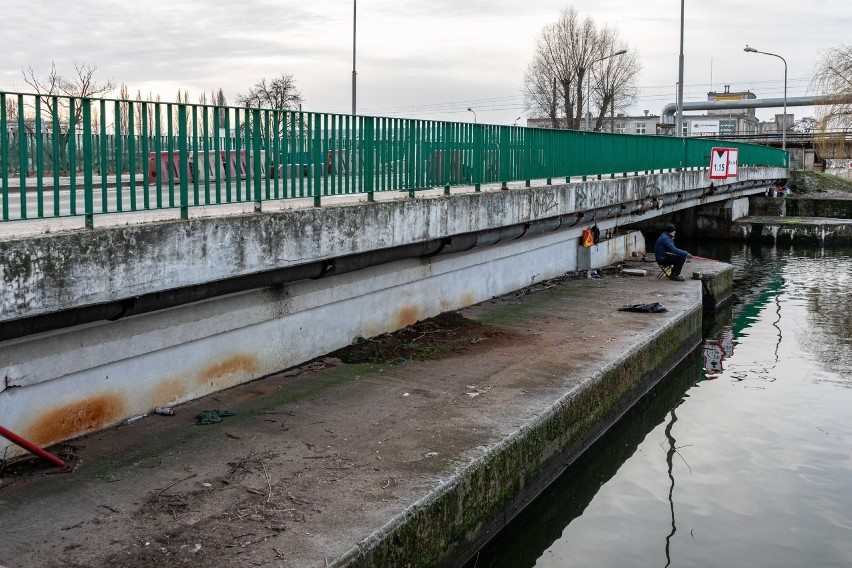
{"points": [[428, 59]]}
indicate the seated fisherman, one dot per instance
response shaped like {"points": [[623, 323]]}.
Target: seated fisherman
{"points": [[667, 254]]}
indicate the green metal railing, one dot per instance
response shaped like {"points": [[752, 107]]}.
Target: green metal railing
{"points": [[70, 156]]}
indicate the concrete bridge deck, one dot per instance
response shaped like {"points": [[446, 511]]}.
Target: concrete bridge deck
{"points": [[384, 464], [100, 325]]}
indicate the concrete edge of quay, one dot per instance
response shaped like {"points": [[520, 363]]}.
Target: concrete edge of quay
{"points": [[447, 526]]}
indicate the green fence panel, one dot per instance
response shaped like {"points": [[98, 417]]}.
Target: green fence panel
{"points": [[239, 154]]}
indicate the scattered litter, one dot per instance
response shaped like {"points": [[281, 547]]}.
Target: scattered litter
{"points": [[431, 454], [206, 485], [358, 339], [197, 548], [406, 394], [401, 361], [213, 416], [133, 419], [473, 394], [653, 308], [634, 271], [164, 410]]}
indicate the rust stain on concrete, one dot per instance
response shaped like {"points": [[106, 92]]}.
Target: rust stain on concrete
{"points": [[467, 299], [75, 418], [406, 316], [243, 364], [167, 391]]}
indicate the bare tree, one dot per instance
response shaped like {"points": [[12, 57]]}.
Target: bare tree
{"points": [[279, 93], [833, 81], [566, 60], [614, 79], [83, 85], [124, 109], [584, 49]]}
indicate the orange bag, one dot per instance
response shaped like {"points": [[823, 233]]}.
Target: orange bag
{"points": [[588, 239]]}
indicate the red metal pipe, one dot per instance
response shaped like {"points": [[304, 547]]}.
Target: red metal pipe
{"points": [[30, 447]]}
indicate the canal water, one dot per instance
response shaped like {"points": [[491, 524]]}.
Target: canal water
{"points": [[742, 456]]}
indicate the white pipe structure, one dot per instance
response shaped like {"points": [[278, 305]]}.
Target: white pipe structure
{"points": [[784, 124], [670, 109]]}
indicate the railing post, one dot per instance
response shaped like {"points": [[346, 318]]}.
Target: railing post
{"points": [[22, 157], [255, 155], [446, 169], [88, 164], [478, 157], [505, 154], [104, 160], [183, 157], [318, 158], [367, 157], [4, 150]]}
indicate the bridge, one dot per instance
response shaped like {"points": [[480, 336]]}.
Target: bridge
{"points": [[807, 149], [223, 244]]}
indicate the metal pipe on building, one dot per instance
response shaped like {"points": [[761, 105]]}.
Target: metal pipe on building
{"points": [[671, 109]]}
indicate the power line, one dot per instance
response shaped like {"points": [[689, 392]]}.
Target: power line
{"points": [[665, 93]]}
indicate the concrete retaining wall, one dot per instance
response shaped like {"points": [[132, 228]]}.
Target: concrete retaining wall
{"points": [[806, 207], [56, 272], [62, 384]]}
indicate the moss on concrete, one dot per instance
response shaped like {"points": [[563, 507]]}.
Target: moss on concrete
{"points": [[483, 495]]}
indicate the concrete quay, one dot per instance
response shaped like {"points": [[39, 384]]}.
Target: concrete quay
{"points": [[407, 461]]}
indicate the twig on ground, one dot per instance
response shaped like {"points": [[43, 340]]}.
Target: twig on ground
{"points": [[297, 500], [268, 481], [175, 483]]}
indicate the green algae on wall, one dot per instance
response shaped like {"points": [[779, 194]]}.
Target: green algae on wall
{"points": [[486, 493]]}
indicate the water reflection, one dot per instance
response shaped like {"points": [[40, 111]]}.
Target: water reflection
{"points": [[542, 523], [761, 475], [715, 350]]}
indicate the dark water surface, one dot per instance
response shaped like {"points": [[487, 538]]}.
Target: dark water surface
{"points": [[742, 456]]}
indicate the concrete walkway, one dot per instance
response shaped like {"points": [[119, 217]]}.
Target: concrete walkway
{"points": [[328, 464]]}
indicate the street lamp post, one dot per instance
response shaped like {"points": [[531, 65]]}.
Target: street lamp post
{"points": [[354, 15], [516, 121], [474, 114], [679, 121], [784, 125], [589, 85]]}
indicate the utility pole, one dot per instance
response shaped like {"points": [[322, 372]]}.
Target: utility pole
{"points": [[679, 122]]}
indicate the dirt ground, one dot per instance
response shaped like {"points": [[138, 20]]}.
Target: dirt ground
{"points": [[318, 457]]}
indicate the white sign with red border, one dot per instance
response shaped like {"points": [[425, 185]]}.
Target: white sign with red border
{"points": [[719, 163], [724, 163], [733, 158]]}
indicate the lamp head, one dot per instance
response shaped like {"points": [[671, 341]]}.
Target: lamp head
{"points": [[469, 109], [750, 49], [622, 52]]}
